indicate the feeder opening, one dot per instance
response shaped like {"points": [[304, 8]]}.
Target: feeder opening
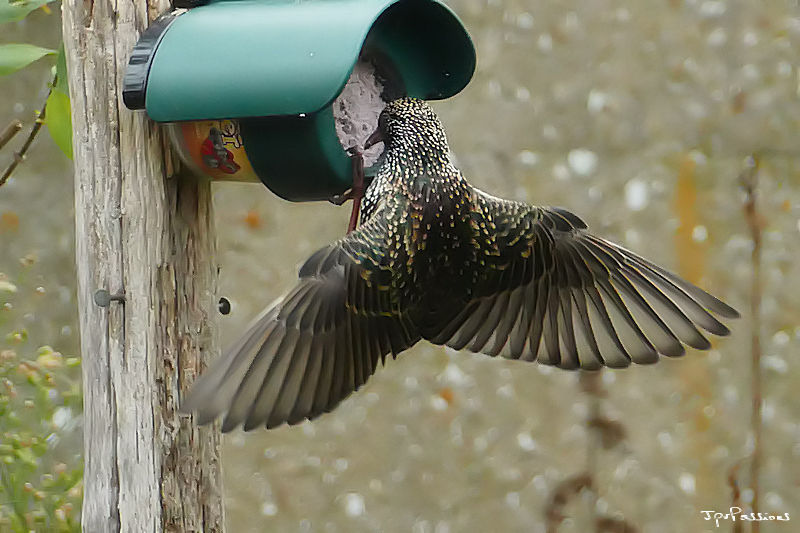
{"points": [[358, 106]]}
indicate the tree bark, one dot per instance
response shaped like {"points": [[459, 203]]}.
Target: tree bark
{"points": [[147, 233]]}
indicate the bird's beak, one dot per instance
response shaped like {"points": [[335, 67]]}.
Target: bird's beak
{"points": [[375, 138]]}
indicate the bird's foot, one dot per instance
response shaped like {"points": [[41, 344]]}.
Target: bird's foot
{"points": [[340, 199], [356, 192]]}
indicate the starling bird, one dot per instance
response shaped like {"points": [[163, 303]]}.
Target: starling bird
{"points": [[437, 259]]}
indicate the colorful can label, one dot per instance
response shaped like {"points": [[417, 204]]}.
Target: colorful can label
{"points": [[214, 148]]}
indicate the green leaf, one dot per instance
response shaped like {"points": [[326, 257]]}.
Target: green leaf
{"points": [[19, 55], [16, 10], [59, 121], [58, 117], [61, 71]]}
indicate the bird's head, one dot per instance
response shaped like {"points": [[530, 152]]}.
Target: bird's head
{"points": [[410, 125]]}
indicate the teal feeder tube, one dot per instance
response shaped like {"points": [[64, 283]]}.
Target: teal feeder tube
{"points": [[276, 91], [217, 148]]}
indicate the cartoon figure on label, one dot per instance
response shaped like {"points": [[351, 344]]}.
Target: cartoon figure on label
{"points": [[215, 155], [230, 133]]}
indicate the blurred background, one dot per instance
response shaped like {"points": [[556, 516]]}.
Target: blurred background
{"points": [[639, 117]]}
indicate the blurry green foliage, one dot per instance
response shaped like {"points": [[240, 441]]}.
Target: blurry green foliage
{"points": [[15, 56], [40, 456], [41, 465], [16, 10]]}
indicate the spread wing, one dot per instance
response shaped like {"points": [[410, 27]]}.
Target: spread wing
{"points": [[551, 292], [316, 345]]}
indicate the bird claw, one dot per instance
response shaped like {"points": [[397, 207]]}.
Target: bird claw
{"points": [[356, 192], [340, 199]]}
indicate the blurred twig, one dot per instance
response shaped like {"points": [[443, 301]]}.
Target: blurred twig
{"points": [[608, 433], [566, 491], [736, 494], [563, 493], [610, 524], [611, 432], [749, 182], [20, 156], [602, 433], [8, 133], [592, 386]]}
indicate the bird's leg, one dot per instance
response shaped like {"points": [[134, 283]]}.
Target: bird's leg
{"points": [[357, 192]]}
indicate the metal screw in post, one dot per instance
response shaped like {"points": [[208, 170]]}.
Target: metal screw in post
{"points": [[103, 298]]}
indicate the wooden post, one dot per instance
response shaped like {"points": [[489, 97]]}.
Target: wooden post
{"points": [[148, 234]]}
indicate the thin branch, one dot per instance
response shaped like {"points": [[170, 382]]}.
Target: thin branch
{"points": [[591, 384], [8, 133], [563, 493], [611, 524], [602, 433], [20, 156], [749, 181], [736, 494]]}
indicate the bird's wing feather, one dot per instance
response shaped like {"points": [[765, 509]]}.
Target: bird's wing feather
{"points": [[313, 347], [552, 292]]}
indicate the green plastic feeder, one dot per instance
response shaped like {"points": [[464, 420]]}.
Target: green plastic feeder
{"points": [[250, 85]]}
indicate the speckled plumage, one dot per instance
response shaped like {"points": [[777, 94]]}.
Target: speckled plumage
{"points": [[438, 259]]}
